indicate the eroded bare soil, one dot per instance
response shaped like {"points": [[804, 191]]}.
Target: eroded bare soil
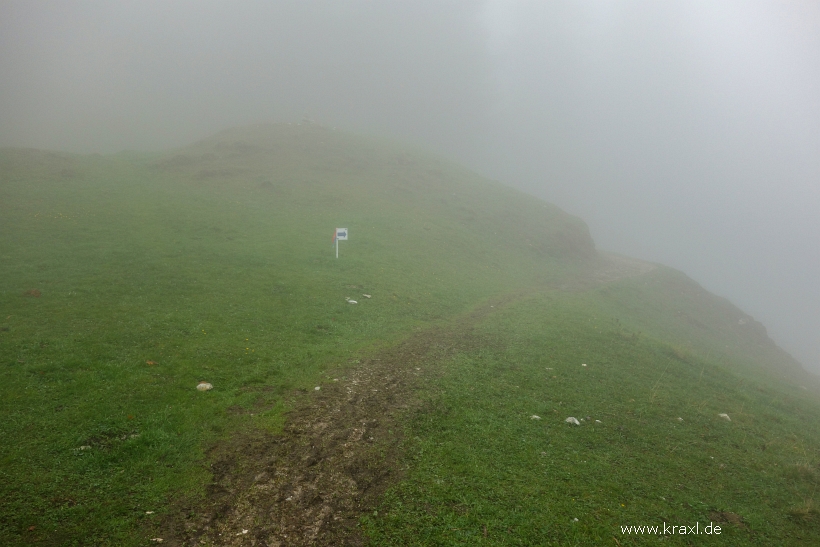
{"points": [[340, 448]]}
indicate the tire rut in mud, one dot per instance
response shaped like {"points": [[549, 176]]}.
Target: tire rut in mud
{"points": [[338, 452]]}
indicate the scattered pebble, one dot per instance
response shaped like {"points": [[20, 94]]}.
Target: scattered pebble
{"points": [[204, 386], [583, 364], [352, 302], [84, 447], [575, 520], [534, 417], [598, 421], [367, 296], [158, 540], [572, 420], [317, 388], [680, 419], [149, 512], [725, 417]]}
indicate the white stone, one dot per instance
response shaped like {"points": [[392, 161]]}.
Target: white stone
{"points": [[204, 386], [572, 420], [725, 417]]}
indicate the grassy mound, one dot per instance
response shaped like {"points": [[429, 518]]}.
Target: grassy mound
{"points": [[125, 280]]}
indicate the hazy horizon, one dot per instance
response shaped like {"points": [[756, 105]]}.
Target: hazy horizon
{"points": [[686, 133]]}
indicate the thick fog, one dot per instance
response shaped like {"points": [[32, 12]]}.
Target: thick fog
{"points": [[685, 132]]}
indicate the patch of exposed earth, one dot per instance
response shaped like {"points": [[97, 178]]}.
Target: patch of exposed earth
{"points": [[340, 448]]}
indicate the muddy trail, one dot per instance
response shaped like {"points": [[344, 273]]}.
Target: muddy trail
{"points": [[340, 447]]}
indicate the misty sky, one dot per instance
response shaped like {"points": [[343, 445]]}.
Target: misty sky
{"points": [[685, 132]]}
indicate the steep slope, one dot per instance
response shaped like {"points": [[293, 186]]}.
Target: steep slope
{"points": [[127, 279]]}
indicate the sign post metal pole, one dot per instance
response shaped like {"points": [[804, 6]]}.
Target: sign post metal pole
{"points": [[341, 233]]}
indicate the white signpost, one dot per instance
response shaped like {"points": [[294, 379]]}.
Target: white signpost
{"points": [[341, 233]]}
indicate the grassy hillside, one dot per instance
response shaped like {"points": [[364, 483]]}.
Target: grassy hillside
{"points": [[127, 279], [492, 461]]}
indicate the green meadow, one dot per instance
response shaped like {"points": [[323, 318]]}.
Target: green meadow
{"points": [[125, 280]]}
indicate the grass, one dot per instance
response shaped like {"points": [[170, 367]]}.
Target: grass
{"points": [[214, 263], [229, 279], [483, 471]]}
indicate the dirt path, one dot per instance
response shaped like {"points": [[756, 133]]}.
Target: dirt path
{"points": [[339, 450]]}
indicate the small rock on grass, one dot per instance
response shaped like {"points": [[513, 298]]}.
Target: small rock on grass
{"points": [[572, 420], [535, 417], [725, 417], [204, 386]]}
